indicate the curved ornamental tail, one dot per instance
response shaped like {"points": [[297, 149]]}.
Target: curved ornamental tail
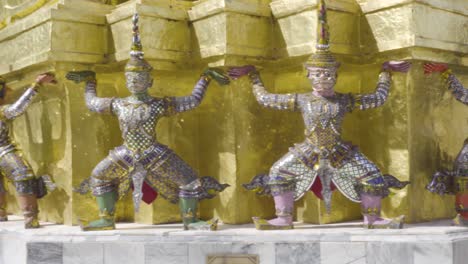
{"points": [[259, 185], [211, 187]]}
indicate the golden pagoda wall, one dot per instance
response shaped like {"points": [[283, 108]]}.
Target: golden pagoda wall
{"points": [[421, 127]]}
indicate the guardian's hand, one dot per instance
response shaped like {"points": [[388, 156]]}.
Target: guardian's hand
{"points": [[218, 75], [81, 76], [45, 78], [432, 67], [237, 72], [396, 66]]}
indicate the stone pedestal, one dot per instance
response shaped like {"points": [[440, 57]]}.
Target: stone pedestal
{"points": [[428, 243]]}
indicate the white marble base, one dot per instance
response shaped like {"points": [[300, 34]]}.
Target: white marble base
{"points": [[425, 243]]}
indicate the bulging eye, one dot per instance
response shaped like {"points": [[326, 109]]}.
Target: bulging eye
{"points": [[317, 74]]}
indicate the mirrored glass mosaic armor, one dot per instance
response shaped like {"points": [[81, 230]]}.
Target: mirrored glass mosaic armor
{"points": [[455, 181], [141, 163], [324, 161], [13, 167]]}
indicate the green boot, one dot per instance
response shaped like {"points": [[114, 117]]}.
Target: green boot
{"points": [[188, 211], [3, 211], [106, 203]]}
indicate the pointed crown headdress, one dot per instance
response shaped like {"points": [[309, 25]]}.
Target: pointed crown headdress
{"points": [[137, 63], [323, 56]]}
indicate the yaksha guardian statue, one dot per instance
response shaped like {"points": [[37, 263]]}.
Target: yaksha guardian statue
{"points": [[324, 158], [142, 163], [12, 165], [453, 181]]}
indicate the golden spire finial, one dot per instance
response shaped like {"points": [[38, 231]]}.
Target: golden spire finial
{"points": [[136, 41], [323, 34], [322, 57], [137, 62]]}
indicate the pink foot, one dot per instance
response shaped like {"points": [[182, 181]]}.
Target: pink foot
{"points": [[281, 221], [378, 222]]}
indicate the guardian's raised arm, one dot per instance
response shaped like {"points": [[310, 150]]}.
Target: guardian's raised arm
{"points": [[379, 97], [453, 84], [264, 98], [93, 102], [17, 108], [185, 103]]}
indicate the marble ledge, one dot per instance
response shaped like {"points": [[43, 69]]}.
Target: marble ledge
{"points": [[434, 242], [339, 232]]}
